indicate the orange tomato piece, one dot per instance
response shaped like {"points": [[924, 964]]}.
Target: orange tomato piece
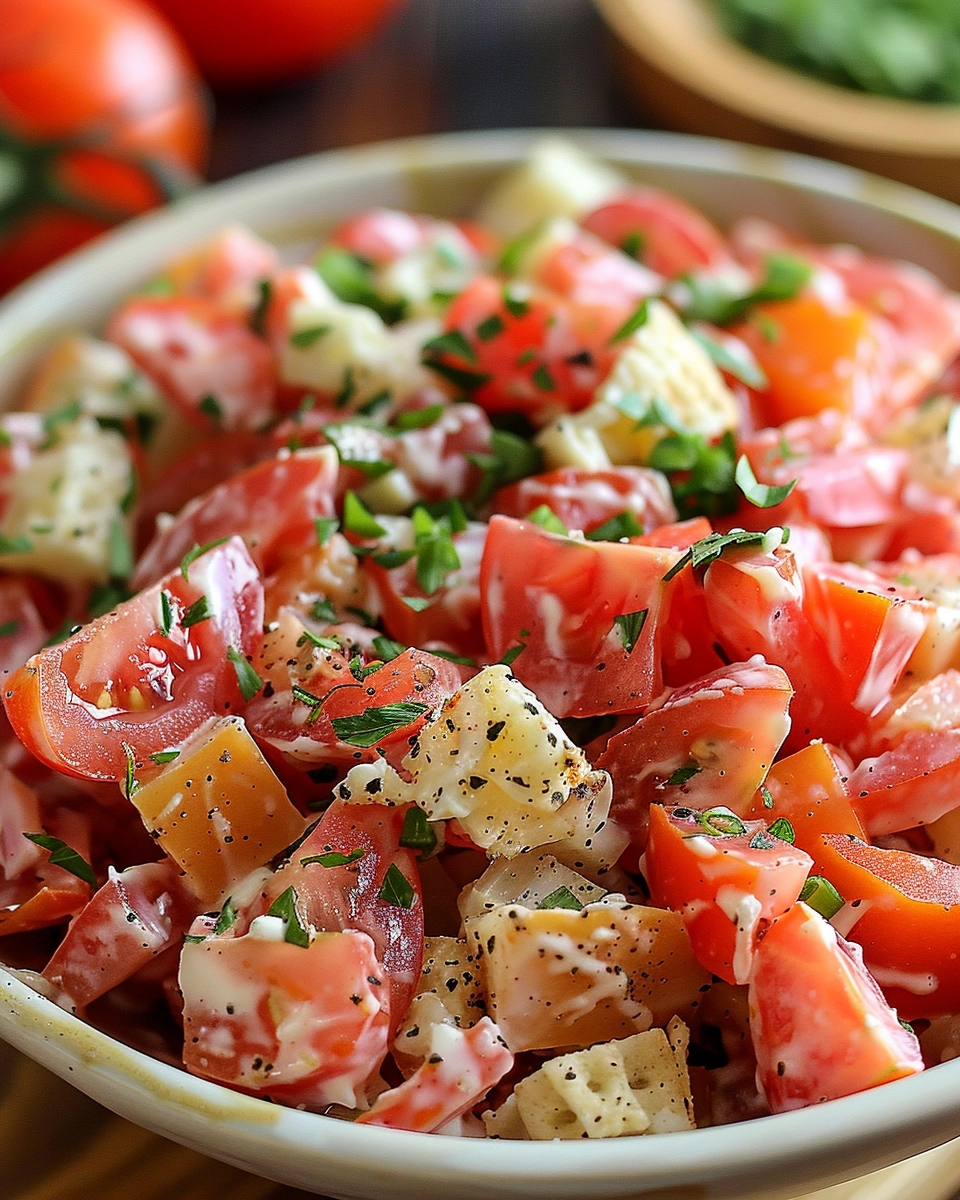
{"points": [[904, 910], [725, 885], [814, 355]]}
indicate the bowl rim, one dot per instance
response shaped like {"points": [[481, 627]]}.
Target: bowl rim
{"points": [[683, 39], [881, 1125]]}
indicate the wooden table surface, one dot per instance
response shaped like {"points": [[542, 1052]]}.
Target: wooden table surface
{"points": [[440, 65]]}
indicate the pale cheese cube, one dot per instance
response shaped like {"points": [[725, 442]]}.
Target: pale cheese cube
{"points": [[558, 179], [505, 1122], [527, 879], [66, 507], [443, 266], [662, 361], [633, 1085], [495, 759], [350, 353]]}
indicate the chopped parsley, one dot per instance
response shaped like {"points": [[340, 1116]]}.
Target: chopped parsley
{"points": [[192, 555], [417, 832], [62, 855], [351, 278], [396, 889], [761, 495], [359, 520], [303, 339], [717, 303], [622, 525], [682, 774], [372, 726], [333, 858], [198, 611], [285, 907], [561, 897], [701, 554], [162, 757], [634, 322], [249, 681], [630, 626]]}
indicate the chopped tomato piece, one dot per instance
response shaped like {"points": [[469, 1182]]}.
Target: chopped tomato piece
{"points": [[352, 895], [820, 1025], [272, 506], [912, 783], [208, 361], [463, 1066], [585, 499], [664, 232], [706, 744], [808, 790], [301, 1024], [578, 621], [904, 910], [136, 915], [142, 678], [727, 878]]}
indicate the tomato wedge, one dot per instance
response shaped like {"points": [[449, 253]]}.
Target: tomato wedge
{"points": [[142, 678], [820, 1025]]}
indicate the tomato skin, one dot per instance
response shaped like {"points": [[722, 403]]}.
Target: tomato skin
{"points": [[822, 357], [726, 888], [136, 915], [820, 1026], [559, 598], [913, 783], [452, 615], [347, 897], [210, 364], [674, 237], [35, 894], [274, 1018], [256, 42], [807, 789], [584, 499], [729, 725], [447, 1085], [588, 270], [53, 701], [551, 354], [103, 92], [282, 722], [271, 505], [907, 921]]}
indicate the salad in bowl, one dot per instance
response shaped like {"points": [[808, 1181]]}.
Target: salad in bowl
{"points": [[495, 675]]}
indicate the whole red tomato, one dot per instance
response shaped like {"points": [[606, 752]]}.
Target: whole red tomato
{"points": [[102, 116], [239, 43]]}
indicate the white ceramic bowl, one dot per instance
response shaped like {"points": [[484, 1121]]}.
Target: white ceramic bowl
{"points": [[773, 1158]]}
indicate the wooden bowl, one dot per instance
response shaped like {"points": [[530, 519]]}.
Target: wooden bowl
{"points": [[687, 74]]}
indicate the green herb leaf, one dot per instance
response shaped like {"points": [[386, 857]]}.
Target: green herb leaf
{"points": [[543, 381], [62, 855], [783, 829], [367, 728], [510, 458], [323, 610], [761, 840], [130, 783], [682, 774], [15, 545], [303, 339], [350, 278], [386, 648], [760, 494], [316, 639], [417, 832], [302, 696], [227, 918], [562, 897], [721, 822], [166, 613], [192, 555], [623, 525], [333, 858], [418, 418], [630, 626], [436, 554], [452, 342], [162, 757], [358, 519], [510, 656], [715, 302], [820, 894], [198, 611], [8, 629], [701, 554], [258, 318], [396, 889], [417, 603], [547, 519], [249, 681], [634, 322], [285, 907], [767, 797], [211, 407], [740, 368], [490, 327], [105, 598]]}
